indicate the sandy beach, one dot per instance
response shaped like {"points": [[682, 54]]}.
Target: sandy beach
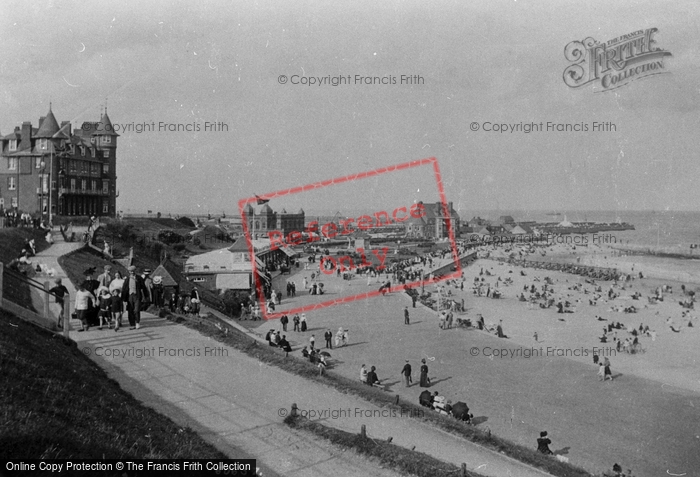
{"points": [[645, 417]]}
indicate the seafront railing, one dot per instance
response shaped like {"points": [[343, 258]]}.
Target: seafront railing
{"points": [[31, 300]]}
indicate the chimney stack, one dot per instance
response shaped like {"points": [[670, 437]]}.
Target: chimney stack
{"points": [[26, 143]]}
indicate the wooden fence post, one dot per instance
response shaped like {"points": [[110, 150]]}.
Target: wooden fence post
{"points": [[464, 470], [66, 316], [2, 270], [47, 301], [363, 431]]}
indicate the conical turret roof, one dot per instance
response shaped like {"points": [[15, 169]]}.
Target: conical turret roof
{"points": [[48, 127], [105, 127]]}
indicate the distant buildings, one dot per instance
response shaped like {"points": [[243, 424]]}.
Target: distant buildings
{"points": [[53, 170], [267, 220], [433, 224]]}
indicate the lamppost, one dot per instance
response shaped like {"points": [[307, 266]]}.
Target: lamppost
{"points": [[62, 206], [41, 185]]}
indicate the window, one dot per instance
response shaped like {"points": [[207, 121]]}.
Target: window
{"points": [[94, 168], [82, 151], [199, 280], [12, 163], [71, 148], [45, 204], [11, 183], [105, 168], [43, 144], [14, 202], [106, 139], [2, 203], [105, 187], [83, 184], [37, 163], [53, 185], [13, 145], [94, 185], [72, 184], [105, 154], [45, 183], [73, 166], [105, 206], [92, 151]]}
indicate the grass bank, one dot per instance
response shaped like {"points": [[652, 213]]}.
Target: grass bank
{"points": [[389, 455], [218, 329], [58, 404]]}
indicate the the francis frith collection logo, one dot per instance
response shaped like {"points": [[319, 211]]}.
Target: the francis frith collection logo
{"points": [[617, 62]]}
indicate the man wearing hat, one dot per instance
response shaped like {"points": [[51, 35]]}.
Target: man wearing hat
{"points": [[406, 371], [133, 291], [90, 284], [105, 278], [158, 291]]}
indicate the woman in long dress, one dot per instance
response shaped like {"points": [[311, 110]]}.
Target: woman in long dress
{"points": [[339, 337], [424, 380], [303, 322]]}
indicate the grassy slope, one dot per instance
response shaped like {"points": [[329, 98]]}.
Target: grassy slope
{"points": [[402, 460], [12, 240], [56, 403], [11, 243]]}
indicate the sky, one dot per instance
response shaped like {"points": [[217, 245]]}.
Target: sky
{"points": [[501, 62]]}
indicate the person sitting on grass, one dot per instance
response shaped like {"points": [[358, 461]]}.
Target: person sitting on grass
{"points": [[543, 443], [372, 378], [321, 364], [284, 344]]}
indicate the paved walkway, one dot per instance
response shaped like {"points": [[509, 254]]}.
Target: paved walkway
{"points": [[241, 402], [49, 257]]}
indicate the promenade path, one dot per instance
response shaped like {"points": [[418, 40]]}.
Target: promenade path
{"points": [[49, 257], [238, 403]]}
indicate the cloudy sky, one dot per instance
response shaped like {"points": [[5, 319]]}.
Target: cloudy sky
{"points": [[189, 63]]}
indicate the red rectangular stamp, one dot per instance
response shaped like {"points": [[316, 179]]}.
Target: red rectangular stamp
{"points": [[328, 260]]}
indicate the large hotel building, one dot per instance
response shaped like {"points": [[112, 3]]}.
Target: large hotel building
{"points": [[51, 170]]}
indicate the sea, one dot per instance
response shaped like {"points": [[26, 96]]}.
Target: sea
{"points": [[669, 232], [652, 228]]}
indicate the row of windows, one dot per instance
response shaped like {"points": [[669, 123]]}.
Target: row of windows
{"points": [[84, 167], [44, 146], [13, 202], [12, 184], [75, 166], [93, 184], [45, 205]]}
